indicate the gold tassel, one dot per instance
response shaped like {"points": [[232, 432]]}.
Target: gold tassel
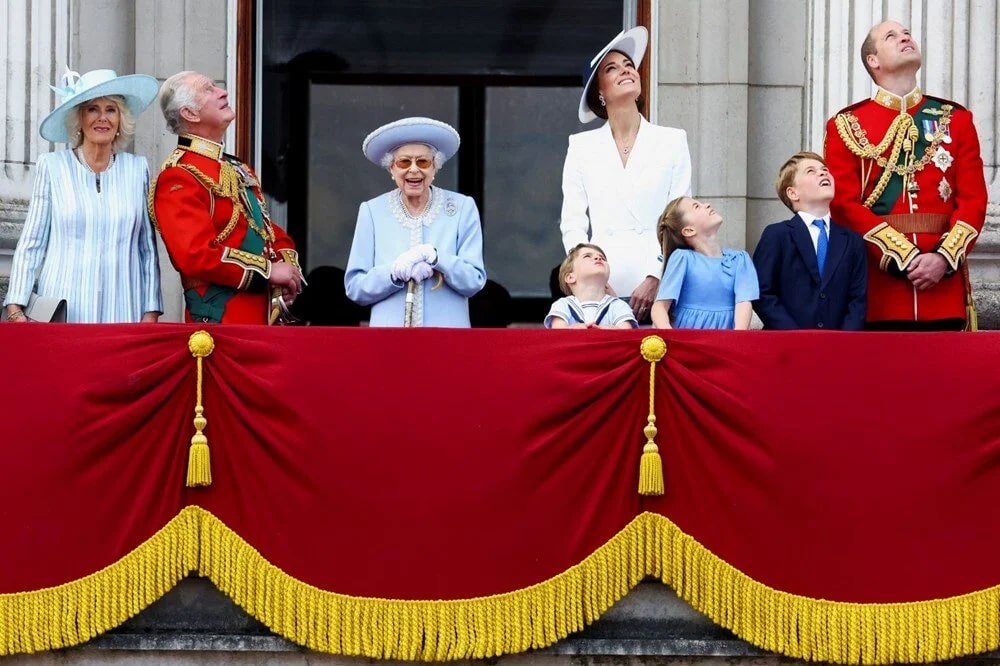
{"points": [[653, 348], [971, 315], [199, 472]]}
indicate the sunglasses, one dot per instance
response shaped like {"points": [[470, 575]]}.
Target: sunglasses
{"points": [[405, 162]]}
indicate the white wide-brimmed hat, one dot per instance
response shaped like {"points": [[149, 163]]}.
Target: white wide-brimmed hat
{"points": [[441, 136], [137, 89], [630, 42]]}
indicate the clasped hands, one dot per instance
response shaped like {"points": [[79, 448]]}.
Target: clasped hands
{"points": [[417, 263], [926, 270]]}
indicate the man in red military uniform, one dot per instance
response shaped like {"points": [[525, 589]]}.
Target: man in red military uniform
{"points": [[910, 180], [236, 267]]}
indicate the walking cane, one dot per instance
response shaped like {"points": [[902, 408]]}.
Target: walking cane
{"points": [[411, 289]]}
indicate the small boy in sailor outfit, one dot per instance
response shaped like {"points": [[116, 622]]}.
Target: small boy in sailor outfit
{"points": [[583, 277]]}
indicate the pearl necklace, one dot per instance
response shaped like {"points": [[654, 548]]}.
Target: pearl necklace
{"points": [[421, 214], [97, 174]]}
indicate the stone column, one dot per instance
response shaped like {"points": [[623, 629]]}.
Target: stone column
{"points": [[34, 51], [778, 88], [171, 37], [703, 88], [961, 57]]}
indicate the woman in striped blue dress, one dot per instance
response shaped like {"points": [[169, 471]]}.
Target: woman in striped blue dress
{"points": [[87, 238]]}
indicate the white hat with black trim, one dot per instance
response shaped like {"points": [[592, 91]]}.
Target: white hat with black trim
{"points": [[630, 42]]}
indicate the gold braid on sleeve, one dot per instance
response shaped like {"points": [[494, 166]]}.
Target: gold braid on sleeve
{"points": [[956, 243]]}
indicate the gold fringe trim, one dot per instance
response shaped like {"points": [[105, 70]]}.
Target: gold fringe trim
{"points": [[478, 628], [542, 614], [820, 630], [74, 612], [485, 627]]}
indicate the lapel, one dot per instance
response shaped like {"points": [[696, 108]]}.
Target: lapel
{"points": [[835, 251], [626, 176], [804, 244], [638, 160]]}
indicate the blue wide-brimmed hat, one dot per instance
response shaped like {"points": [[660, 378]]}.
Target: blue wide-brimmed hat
{"points": [[441, 136], [630, 42], [138, 90]]}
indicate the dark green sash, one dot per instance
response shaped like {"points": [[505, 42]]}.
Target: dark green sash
{"points": [[211, 306], [894, 189]]}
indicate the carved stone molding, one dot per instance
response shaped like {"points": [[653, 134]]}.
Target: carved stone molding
{"points": [[35, 52]]}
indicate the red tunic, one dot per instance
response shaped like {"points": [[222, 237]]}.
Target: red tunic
{"points": [[194, 213], [952, 183]]}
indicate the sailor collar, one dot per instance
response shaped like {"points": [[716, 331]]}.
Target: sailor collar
{"points": [[893, 101]]}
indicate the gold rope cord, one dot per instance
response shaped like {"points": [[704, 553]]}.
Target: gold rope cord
{"points": [[901, 135], [653, 349], [199, 471]]}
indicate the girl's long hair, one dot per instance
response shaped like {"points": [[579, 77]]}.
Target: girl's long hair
{"points": [[668, 231]]}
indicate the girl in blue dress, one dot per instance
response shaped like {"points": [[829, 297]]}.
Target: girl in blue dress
{"points": [[703, 285]]}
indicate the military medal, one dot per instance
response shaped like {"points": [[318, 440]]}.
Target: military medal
{"points": [[930, 128], [942, 159], [944, 189]]}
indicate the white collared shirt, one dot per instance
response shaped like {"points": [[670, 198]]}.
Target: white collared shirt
{"points": [[813, 229]]}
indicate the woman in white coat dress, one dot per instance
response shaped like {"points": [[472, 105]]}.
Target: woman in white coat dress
{"points": [[618, 178]]}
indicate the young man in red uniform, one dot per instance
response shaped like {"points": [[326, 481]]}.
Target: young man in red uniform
{"points": [[910, 180], [236, 267]]}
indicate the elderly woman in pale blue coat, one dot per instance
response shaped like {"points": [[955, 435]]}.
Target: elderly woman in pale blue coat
{"points": [[416, 232]]}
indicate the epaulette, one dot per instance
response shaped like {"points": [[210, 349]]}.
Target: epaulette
{"points": [[851, 107], [174, 158], [955, 105]]}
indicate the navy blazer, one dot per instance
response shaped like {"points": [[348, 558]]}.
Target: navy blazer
{"points": [[793, 295]]}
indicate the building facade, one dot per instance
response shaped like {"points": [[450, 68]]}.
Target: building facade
{"points": [[751, 81]]}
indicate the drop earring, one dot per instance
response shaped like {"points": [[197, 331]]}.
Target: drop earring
{"points": [[601, 99]]}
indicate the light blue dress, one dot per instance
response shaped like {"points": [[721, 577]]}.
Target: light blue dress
{"points": [[94, 249], [385, 230], [705, 290]]}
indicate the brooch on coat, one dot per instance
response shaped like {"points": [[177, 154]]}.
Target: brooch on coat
{"points": [[942, 159], [944, 189]]}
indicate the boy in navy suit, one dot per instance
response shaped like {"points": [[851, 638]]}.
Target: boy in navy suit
{"points": [[812, 272]]}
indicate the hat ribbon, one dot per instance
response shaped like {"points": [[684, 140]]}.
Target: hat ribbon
{"points": [[72, 87]]}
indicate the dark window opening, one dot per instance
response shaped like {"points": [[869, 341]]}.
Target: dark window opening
{"points": [[506, 74]]}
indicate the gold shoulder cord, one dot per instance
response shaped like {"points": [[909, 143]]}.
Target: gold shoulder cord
{"points": [[151, 194], [227, 187], [901, 135]]}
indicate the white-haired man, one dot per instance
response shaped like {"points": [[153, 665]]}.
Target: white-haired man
{"points": [[235, 266]]}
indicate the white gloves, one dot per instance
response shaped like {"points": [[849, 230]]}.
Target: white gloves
{"points": [[404, 268], [421, 271], [425, 252]]}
